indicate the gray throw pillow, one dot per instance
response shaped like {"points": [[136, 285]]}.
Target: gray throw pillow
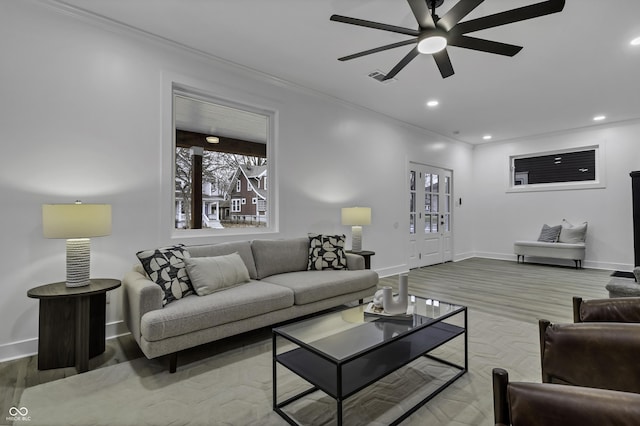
{"points": [[549, 234], [572, 233], [211, 274]]}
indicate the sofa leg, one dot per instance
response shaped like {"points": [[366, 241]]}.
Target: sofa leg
{"points": [[173, 362]]}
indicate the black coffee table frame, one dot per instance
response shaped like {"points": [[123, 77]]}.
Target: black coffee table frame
{"points": [[341, 378]]}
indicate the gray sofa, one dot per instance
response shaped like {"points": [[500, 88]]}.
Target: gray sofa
{"points": [[280, 288]]}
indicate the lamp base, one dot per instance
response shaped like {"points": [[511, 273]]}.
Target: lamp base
{"points": [[356, 238], [78, 262]]}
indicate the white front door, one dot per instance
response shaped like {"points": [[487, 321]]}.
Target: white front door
{"points": [[430, 218]]}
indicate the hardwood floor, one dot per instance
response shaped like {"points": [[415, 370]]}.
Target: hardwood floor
{"points": [[524, 292]]}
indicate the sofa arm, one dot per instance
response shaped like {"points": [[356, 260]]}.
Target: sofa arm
{"points": [[140, 295], [624, 309], [354, 261]]}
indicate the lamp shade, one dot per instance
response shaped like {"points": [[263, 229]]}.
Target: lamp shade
{"points": [[76, 220], [356, 216]]}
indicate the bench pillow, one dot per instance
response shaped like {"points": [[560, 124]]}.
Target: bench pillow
{"points": [[211, 274], [572, 233], [549, 234]]}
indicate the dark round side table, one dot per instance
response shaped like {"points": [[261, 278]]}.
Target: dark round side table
{"points": [[367, 256], [71, 323]]}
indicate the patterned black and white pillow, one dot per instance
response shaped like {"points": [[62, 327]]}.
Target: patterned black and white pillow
{"points": [[549, 234], [326, 252], [165, 266]]}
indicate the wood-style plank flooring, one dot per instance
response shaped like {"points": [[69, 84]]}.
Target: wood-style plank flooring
{"points": [[524, 292]]}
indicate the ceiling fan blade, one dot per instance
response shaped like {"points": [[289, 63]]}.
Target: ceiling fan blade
{"points": [[403, 63], [421, 12], [457, 12], [484, 45], [444, 63], [374, 25], [377, 49], [510, 16]]}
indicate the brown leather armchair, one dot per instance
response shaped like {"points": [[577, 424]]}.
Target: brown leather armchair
{"points": [[598, 355], [623, 309], [545, 404]]}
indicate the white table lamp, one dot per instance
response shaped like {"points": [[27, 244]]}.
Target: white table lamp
{"points": [[356, 217], [76, 223]]}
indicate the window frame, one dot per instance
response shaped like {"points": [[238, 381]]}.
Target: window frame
{"points": [[598, 182], [199, 89]]}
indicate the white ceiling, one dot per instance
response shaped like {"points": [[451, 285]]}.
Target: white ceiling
{"points": [[575, 64]]}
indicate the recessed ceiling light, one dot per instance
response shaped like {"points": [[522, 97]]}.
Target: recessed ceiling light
{"points": [[487, 137], [433, 103], [635, 41], [599, 118]]}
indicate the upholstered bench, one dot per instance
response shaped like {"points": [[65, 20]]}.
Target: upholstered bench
{"points": [[565, 241], [571, 251]]}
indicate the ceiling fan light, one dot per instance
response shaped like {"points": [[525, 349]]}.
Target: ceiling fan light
{"points": [[432, 44]]}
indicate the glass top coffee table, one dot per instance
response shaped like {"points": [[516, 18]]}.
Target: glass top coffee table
{"points": [[343, 352]]}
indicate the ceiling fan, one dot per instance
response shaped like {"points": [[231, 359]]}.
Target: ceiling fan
{"points": [[436, 33]]}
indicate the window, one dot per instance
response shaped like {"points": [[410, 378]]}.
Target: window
{"points": [[254, 200], [207, 171], [576, 168]]}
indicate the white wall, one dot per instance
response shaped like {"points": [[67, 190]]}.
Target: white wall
{"points": [[500, 218], [83, 117]]}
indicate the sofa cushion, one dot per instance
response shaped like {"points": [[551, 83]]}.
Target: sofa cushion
{"points": [[572, 233], [326, 252], [279, 256], [165, 266], [211, 274], [312, 286], [243, 248], [549, 234], [197, 313]]}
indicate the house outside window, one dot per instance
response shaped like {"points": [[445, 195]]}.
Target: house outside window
{"points": [[225, 168]]}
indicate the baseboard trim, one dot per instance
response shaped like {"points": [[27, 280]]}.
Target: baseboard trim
{"points": [[393, 270], [591, 264], [29, 347]]}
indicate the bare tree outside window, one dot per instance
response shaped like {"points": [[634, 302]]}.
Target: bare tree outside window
{"points": [[220, 173]]}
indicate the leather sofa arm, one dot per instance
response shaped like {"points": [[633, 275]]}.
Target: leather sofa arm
{"points": [[140, 295], [544, 404], [354, 261], [597, 355], [623, 309]]}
